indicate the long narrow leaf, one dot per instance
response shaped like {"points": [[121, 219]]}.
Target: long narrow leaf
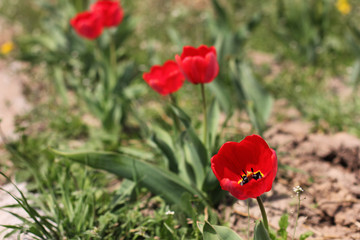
{"points": [[222, 96], [196, 152], [159, 181], [258, 102], [260, 232], [213, 116], [216, 232], [167, 151]]}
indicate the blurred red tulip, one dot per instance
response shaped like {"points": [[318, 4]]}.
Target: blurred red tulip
{"points": [[165, 79], [199, 65], [87, 24], [110, 12], [246, 169]]}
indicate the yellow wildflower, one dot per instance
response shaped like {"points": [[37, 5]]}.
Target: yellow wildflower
{"points": [[343, 6], [6, 48]]}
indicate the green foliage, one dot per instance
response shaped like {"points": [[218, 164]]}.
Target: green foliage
{"points": [[305, 235], [157, 180], [260, 233], [228, 36], [230, 39], [40, 228], [306, 28], [257, 101], [100, 72], [354, 42], [88, 213], [283, 224], [308, 91], [282, 233], [74, 200], [188, 155], [216, 232]]}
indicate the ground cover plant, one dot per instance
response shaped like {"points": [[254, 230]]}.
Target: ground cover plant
{"points": [[167, 119]]}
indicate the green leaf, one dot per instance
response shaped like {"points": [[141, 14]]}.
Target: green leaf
{"points": [[184, 118], [260, 232], [159, 181], [126, 74], [195, 151], [213, 117], [226, 233], [126, 189], [222, 96], [175, 36], [168, 152], [60, 83], [198, 147], [216, 232], [192, 136], [305, 235], [355, 73], [258, 102], [200, 226], [136, 153], [283, 224], [194, 160], [209, 233], [221, 14]]}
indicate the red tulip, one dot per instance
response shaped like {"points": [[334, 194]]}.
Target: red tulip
{"points": [[110, 12], [199, 65], [165, 79], [87, 24], [246, 169]]}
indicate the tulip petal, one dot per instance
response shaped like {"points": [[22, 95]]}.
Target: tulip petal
{"points": [[212, 67], [165, 79], [198, 65], [250, 155], [110, 12], [87, 25]]}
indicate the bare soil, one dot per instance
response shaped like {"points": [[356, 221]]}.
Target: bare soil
{"points": [[327, 167]]}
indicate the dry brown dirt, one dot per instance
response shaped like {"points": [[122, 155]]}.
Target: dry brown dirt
{"points": [[327, 167]]}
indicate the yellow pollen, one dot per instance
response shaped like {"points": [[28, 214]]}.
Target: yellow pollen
{"points": [[245, 178]]}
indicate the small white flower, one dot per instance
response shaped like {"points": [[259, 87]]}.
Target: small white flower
{"points": [[298, 190], [170, 212]]}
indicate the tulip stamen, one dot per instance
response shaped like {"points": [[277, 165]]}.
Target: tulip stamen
{"points": [[247, 176]]}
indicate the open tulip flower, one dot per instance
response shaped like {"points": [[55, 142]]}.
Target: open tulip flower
{"points": [[246, 169], [165, 79], [199, 65], [87, 24], [110, 12]]}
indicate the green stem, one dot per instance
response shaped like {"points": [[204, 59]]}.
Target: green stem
{"points": [[112, 54], [263, 213], [79, 6], [176, 119], [173, 99], [205, 115], [112, 68], [297, 215], [106, 83]]}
